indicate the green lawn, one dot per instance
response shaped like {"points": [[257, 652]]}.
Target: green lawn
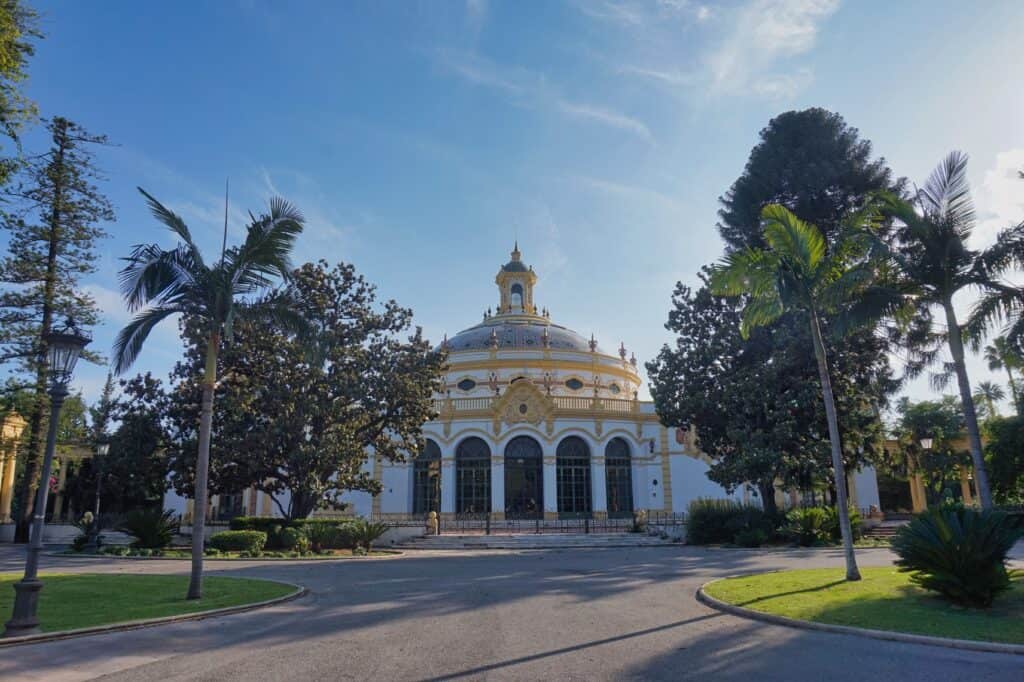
{"points": [[70, 601], [884, 600]]}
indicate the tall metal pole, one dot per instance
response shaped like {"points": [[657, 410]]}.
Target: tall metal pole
{"points": [[24, 620]]}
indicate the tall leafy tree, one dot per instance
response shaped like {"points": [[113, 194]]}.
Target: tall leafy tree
{"points": [[53, 227], [999, 355], [307, 425], [943, 422], [929, 263], [797, 272], [158, 284], [1005, 455], [18, 31], [988, 394], [754, 402]]}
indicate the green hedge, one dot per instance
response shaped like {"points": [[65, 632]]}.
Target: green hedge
{"points": [[250, 541], [710, 521], [274, 527]]}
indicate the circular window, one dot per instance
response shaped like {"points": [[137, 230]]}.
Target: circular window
{"points": [[523, 408], [614, 388], [574, 384], [466, 385]]}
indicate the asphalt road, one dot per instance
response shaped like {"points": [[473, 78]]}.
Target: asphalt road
{"points": [[548, 615]]}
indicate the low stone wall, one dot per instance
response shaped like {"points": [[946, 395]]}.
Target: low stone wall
{"points": [[64, 534], [399, 534], [676, 532]]}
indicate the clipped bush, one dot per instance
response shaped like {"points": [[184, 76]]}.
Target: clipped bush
{"points": [[807, 526], [249, 542], [293, 540], [325, 536], [151, 528], [363, 533], [710, 521], [961, 554], [752, 537]]}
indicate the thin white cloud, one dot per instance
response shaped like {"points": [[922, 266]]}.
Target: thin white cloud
{"points": [[764, 32], [1000, 198], [605, 117], [744, 50], [533, 91]]}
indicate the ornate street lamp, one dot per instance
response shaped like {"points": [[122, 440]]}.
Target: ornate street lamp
{"points": [[926, 443], [102, 450], [65, 345]]}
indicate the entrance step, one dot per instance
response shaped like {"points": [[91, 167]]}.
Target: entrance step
{"points": [[535, 541]]}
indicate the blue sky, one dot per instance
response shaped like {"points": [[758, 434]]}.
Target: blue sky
{"points": [[422, 138]]}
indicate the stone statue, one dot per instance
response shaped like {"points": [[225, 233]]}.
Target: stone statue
{"points": [[432, 524]]}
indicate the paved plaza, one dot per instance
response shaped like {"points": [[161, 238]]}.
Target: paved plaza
{"points": [[565, 615]]}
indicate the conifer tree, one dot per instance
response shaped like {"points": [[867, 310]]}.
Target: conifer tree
{"points": [[53, 229]]}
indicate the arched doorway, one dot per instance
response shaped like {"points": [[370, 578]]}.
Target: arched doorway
{"points": [[572, 460], [426, 480], [618, 478], [524, 479], [473, 477]]}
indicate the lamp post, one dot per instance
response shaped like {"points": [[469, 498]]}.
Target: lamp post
{"points": [[102, 449], [926, 443], [64, 345]]}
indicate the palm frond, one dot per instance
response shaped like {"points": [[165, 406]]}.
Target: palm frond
{"points": [[130, 339], [268, 245], [947, 193], [793, 239], [173, 221], [999, 305], [153, 274], [760, 312], [750, 271]]}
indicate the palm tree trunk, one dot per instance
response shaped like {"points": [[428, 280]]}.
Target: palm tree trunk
{"points": [[195, 585], [1013, 387], [956, 348], [838, 469]]}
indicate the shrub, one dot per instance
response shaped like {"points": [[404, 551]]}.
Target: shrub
{"points": [[293, 540], [831, 527], [363, 533], [752, 537], [151, 528], [959, 554], [806, 526], [718, 521], [324, 536], [250, 542]]}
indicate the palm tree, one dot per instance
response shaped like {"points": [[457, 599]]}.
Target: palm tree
{"points": [[930, 262], [989, 393], [999, 356], [796, 274], [158, 284]]}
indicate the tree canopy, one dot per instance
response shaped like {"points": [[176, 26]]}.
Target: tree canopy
{"points": [[319, 408]]}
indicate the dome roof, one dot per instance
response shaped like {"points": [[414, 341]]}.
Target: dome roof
{"points": [[514, 266], [518, 334]]}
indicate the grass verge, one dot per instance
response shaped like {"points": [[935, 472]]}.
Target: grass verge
{"points": [[71, 601], [884, 600]]}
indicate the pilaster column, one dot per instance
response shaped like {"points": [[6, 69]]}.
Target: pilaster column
{"points": [[448, 485], [498, 487], [62, 478], [7, 482], [598, 488], [965, 487], [550, 487]]}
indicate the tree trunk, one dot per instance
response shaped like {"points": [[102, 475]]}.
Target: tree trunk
{"points": [[767, 490], [195, 585], [1013, 388], [838, 469], [956, 348], [37, 420]]}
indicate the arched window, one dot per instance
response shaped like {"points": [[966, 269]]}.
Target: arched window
{"points": [[426, 478], [517, 295], [618, 478], [472, 477], [572, 468], [524, 479]]}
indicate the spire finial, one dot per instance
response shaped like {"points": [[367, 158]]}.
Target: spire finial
{"points": [[515, 251]]}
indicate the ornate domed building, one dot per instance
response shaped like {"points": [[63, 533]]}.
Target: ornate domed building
{"points": [[536, 421]]}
